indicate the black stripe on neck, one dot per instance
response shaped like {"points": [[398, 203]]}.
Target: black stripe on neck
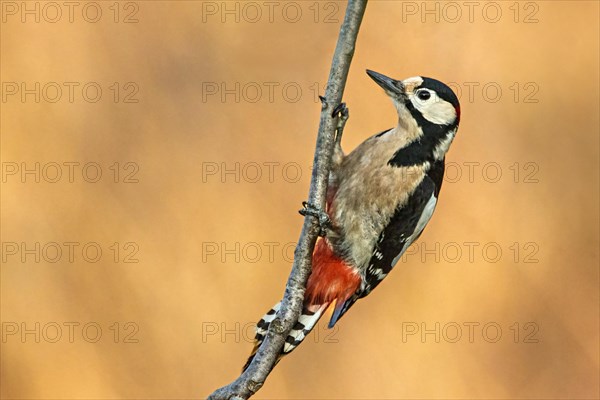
{"points": [[421, 150]]}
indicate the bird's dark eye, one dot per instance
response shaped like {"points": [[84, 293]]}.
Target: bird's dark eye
{"points": [[423, 95]]}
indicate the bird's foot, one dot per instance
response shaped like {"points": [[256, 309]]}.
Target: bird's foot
{"points": [[325, 224], [342, 113]]}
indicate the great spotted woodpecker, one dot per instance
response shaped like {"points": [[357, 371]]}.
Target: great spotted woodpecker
{"points": [[380, 198]]}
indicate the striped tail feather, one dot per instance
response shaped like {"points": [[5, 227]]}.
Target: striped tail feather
{"points": [[306, 322]]}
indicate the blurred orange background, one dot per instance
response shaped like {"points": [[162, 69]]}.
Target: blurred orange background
{"points": [[204, 132]]}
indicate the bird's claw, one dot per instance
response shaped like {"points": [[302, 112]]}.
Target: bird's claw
{"points": [[341, 111], [322, 217]]}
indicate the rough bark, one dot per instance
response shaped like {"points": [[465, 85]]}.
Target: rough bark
{"points": [[250, 381]]}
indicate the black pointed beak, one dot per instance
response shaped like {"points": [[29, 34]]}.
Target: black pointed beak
{"points": [[391, 86]]}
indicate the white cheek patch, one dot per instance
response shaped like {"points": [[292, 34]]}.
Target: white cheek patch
{"points": [[436, 111]]}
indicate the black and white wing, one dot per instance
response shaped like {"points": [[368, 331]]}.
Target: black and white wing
{"points": [[405, 226]]}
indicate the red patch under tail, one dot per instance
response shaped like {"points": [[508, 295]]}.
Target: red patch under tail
{"points": [[331, 278]]}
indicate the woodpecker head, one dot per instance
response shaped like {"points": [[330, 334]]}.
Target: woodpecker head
{"points": [[426, 106], [429, 98]]}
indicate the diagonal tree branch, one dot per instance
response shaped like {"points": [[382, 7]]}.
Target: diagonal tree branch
{"points": [[254, 377]]}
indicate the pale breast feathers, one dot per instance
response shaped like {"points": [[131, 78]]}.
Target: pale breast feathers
{"points": [[366, 182]]}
